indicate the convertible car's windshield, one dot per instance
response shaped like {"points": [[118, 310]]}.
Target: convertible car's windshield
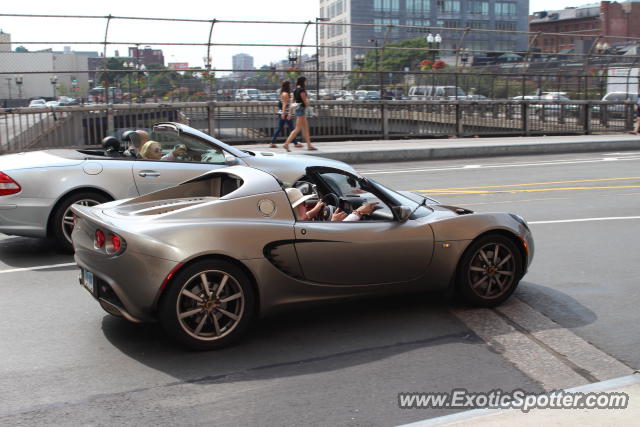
{"points": [[187, 148], [419, 210]]}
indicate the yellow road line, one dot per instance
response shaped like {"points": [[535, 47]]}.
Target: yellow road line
{"points": [[532, 183], [526, 190]]}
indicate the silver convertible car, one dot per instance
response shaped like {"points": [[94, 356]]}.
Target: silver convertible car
{"points": [[210, 255], [38, 188]]}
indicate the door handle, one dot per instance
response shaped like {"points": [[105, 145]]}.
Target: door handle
{"points": [[150, 174]]}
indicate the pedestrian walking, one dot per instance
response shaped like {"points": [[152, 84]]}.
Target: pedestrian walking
{"points": [[301, 106], [284, 113], [636, 129]]}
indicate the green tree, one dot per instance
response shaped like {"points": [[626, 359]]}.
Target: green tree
{"points": [[397, 60], [112, 79]]}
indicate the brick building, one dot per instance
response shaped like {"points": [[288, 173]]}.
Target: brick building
{"points": [[584, 24]]}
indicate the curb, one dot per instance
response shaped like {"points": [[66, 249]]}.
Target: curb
{"points": [[473, 151]]}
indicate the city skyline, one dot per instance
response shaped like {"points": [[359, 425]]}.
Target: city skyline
{"points": [[124, 34]]}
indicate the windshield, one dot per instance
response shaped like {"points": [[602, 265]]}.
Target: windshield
{"points": [[453, 91], [400, 200]]}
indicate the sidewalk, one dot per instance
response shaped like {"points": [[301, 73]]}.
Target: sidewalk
{"points": [[554, 417], [354, 152]]}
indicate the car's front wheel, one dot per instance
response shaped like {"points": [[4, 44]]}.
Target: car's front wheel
{"points": [[62, 221], [208, 306], [489, 271]]}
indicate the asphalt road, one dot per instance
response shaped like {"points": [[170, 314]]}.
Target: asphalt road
{"points": [[66, 362]]}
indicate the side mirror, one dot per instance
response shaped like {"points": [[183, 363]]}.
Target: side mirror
{"points": [[306, 188], [230, 160], [402, 213]]}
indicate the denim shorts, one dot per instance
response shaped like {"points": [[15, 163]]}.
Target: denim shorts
{"points": [[300, 111]]}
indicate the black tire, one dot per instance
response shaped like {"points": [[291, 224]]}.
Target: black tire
{"points": [[59, 228], [211, 313], [484, 279]]}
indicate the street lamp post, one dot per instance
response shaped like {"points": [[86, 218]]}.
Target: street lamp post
{"points": [[380, 75], [207, 65], [318, 57], [129, 66], [19, 82], [293, 57], [433, 44], [54, 84]]}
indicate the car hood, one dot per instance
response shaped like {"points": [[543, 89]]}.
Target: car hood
{"points": [[39, 159]]}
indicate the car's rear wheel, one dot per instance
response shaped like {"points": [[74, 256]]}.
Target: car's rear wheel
{"points": [[489, 271], [209, 305], [62, 221]]}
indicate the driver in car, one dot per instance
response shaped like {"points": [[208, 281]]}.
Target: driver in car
{"points": [[297, 199], [179, 153]]}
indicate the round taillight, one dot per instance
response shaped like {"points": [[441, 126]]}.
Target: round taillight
{"points": [[99, 239], [115, 243]]}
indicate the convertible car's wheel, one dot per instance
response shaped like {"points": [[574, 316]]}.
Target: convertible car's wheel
{"points": [[62, 220], [209, 305], [489, 271]]}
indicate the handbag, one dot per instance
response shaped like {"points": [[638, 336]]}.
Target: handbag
{"points": [[311, 112]]}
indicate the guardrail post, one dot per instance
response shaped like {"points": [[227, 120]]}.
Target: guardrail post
{"points": [[459, 123], [629, 116], [384, 116], [524, 114], [111, 126], [604, 115], [211, 110], [587, 118]]}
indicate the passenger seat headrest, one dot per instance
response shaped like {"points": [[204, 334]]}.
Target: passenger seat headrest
{"points": [[111, 144]]}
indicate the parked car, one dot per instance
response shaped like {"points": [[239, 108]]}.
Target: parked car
{"points": [[38, 188], [372, 95], [436, 92], [554, 108], [247, 95], [52, 104], [209, 256], [617, 110], [37, 103], [65, 100]]}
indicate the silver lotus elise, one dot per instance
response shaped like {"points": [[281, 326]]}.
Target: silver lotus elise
{"points": [[38, 188], [212, 254]]}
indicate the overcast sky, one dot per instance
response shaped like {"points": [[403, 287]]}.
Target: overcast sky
{"points": [[127, 31]]}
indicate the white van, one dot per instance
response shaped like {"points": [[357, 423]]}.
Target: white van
{"points": [[436, 92], [621, 96], [247, 95]]}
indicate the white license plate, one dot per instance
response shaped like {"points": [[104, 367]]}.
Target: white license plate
{"points": [[87, 281]]}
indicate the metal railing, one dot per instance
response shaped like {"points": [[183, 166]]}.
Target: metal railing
{"points": [[24, 129]]}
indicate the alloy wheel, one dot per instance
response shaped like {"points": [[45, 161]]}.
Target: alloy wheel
{"points": [[210, 305], [492, 271]]}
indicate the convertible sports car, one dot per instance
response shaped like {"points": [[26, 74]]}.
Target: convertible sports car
{"points": [[38, 188], [208, 256]]}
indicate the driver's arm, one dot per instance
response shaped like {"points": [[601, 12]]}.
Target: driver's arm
{"points": [[311, 214], [366, 209]]}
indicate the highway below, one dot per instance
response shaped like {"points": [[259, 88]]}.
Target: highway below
{"points": [[573, 320]]}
